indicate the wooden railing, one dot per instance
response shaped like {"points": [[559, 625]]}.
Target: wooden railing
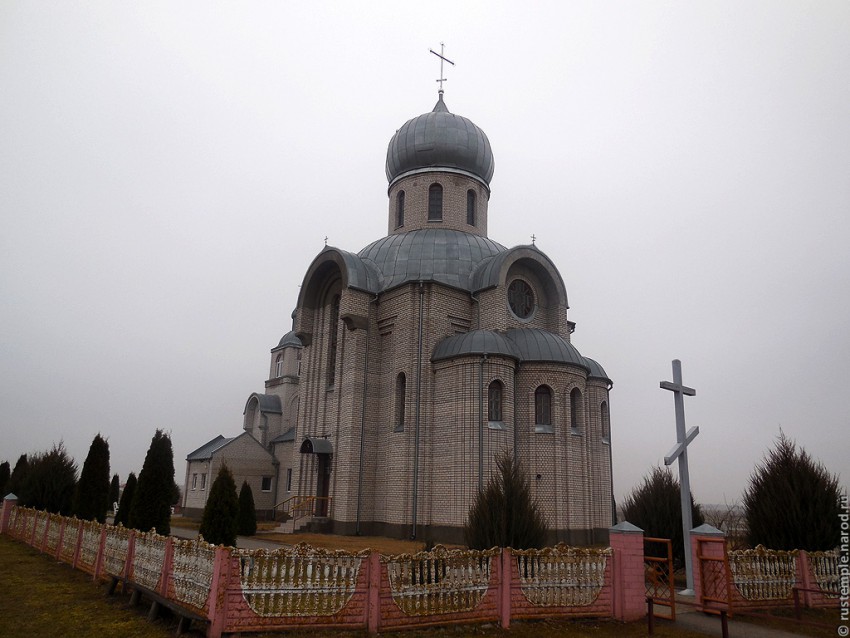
{"points": [[298, 507]]}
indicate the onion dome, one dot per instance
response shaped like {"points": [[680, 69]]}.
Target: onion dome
{"points": [[440, 141]]}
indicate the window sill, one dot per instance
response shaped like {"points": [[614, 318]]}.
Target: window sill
{"points": [[543, 429], [496, 425], [606, 440], [575, 432]]}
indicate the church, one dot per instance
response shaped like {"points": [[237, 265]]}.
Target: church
{"points": [[414, 363]]}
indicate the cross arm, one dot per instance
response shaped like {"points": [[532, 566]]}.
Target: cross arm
{"points": [[681, 446], [678, 387]]}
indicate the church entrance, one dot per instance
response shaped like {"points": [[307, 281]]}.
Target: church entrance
{"points": [[322, 449], [322, 484]]}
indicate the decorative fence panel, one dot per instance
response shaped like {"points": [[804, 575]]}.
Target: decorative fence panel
{"points": [[763, 577], [115, 551], [89, 546], [54, 527], [148, 559], [69, 541], [561, 580]]}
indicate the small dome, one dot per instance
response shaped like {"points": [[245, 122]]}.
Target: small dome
{"points": [[535, 344], [440, 140], [289, 339], [476, 342]]}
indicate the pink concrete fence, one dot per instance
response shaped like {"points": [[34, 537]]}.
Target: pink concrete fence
{"points": [[242, 591], [762, 578]]}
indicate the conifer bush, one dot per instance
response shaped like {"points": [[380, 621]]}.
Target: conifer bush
{"points": [[247, 521], [123, 516], [792, 501], [5, 473], [151, 507], [91, 498], [219, 523], [504, 514], [50, 481], [18, 476], [656, 507]]}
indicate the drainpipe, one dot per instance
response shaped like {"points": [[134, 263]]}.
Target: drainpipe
{"points": [[276, 465], [477, 310], [610, 458], [363, 415], [418, 412]]}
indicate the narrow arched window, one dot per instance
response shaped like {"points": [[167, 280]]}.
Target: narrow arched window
{"points": [[575, 411], [399, 209], [435, 202], [494, 401], [470, 207], [332, 339], [606, 424], [278, 367], [543, 409], [400, 396]]}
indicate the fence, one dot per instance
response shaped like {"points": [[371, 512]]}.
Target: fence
{"points": [[761, 578], [242, 591]]}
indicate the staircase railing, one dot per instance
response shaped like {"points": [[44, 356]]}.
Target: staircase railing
{"points": [[298, 507]]}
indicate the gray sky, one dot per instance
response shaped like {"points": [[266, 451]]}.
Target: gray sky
{"points": [[169, 170]]}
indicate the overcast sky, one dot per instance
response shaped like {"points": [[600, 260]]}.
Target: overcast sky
{"points": [[169, 170]]}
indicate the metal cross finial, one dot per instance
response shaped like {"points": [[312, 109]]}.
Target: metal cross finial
{"points": [[680, 452], [442, 59], [533, 239]]}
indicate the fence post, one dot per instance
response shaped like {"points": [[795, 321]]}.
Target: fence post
{"points": [[373, 594], [101, 550], [167, 565], [506, 564], [218, 591], [711, 533], [9, 503], [804, 576], [629, 578]]}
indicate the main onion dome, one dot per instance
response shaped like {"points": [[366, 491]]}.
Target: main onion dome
{"points": [[440, 140]]}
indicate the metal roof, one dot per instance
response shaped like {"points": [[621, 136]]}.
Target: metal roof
{"points": [[430, 254], [535, 344], [474, 343], [312, 445], [208, 449], [596, 370], [269, 403], [289, 339], [286, 437], [440, 139]]}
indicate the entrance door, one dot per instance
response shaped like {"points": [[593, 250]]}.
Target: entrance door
{"points": [[322, 484]]}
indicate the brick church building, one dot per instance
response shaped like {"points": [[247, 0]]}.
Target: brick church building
{"points": [[414, 362]]}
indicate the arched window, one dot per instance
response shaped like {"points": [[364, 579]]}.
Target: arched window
{"points": [[606, 424], [543, 409], [575, 411], [278, 366], [332, 337], [435, 203], [399, 209], [494, 401], [400, 396], [470, 207]]}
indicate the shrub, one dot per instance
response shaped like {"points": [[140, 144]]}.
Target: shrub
{"points": [[123, 516], [792, 501], [91, 498], [50, 481], [247, 521], [151, 508], [5, 473], [656, 507], [218, 525], [504, 514], [18, 476]]}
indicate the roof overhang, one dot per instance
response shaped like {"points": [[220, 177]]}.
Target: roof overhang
{"points": [[312, 445]]}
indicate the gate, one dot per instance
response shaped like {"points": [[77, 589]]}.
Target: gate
{"points": [[715, 594], [658, 570]]}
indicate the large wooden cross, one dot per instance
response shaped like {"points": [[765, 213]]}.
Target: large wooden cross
{"points": [[680, 451]]}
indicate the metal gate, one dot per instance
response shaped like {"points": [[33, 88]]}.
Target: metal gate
{"points": [[658, 571], [715, 593]]}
